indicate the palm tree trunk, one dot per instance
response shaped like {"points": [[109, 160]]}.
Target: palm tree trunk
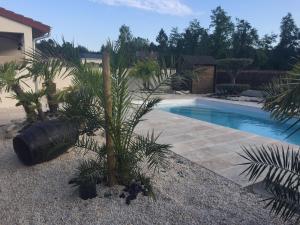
{"points": [[40, 111], [51, 91], [111, 158], [30, 113]]}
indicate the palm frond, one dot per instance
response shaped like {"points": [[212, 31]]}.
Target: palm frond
{"points": [[9, 75], [153, 152], [282, 96], [283, 201], [279, 168], [275, 164], [89, 144], [89, 171]]}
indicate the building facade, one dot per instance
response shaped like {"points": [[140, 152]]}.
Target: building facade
{"points": [[18, 34]]}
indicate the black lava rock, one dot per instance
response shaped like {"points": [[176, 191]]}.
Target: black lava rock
{"points": [[133, 189], [122, 195]]}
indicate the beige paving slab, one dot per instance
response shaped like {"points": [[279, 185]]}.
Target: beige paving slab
{"points": [[212, 146]]}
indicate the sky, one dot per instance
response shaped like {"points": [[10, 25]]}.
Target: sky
{"points": [[92, 22]]}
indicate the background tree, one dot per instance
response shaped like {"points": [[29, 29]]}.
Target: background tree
{"points": [[245, 39], [192, 37], [140, 44], [175, 42], [69, 52], [130, 45], [287, 49], [66, 50], [124, 43], [82, 49], [125, 36], [162, 40], [233, 66], [222, 32], [45, 45], [262, 58]]}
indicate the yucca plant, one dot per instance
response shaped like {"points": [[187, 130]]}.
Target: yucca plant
{"points": [[277, 166], [10, 81], [131, 151]]}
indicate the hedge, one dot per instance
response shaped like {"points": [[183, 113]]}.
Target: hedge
{"points": [[255, 78], [231, 89]]}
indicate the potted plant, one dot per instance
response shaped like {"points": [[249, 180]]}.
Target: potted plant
{"points": [[86, 179]]}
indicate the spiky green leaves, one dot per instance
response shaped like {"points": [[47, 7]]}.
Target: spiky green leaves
{"points": [[283, 98], [88, 172], [148, 148], [279, 168]]}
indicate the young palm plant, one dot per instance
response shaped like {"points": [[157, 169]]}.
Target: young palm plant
{"points": [[47, 67], [131, 151], [34, 102], [10, 81], [279, 167]]}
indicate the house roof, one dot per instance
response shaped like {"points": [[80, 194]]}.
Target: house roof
{"points": [[194, 60], [90, 55], [39, 28]]}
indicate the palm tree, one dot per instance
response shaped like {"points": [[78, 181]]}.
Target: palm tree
{"points": [[279, 167], [129, 148], [10, 81], [47, 67], [34, 98]]}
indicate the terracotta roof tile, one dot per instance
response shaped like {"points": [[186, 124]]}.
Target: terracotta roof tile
{"points": [[42, 28]]}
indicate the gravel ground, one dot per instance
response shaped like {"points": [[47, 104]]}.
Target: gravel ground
{"points": [[186, 194]]}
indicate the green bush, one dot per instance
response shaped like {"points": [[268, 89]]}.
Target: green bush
{"points": [[231, 89]]}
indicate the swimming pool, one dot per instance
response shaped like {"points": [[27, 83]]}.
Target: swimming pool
{"points": [[244, 118]]}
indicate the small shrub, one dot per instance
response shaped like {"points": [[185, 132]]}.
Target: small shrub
{"points": [[231, 89], [181, 82], [145, 71]]}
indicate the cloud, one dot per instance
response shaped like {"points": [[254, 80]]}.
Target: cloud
{"points": [[171, 7]]}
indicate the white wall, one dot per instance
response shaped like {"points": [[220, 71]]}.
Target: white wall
{"points": [[10, 26]]}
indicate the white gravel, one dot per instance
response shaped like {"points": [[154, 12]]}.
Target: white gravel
{"points": [[186, 194]]}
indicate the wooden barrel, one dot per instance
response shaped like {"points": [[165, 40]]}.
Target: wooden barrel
{"points": [[44, 141]]}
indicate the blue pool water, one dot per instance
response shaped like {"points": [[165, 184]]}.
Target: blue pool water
{"points": [[245, 118]]}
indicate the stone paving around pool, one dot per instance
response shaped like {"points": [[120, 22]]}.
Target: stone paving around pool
{"points": [[212, 146]]}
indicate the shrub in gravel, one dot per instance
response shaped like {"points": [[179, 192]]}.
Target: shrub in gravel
{"points": [[86, 178]]}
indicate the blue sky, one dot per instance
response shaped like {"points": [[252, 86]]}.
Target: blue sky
{"points": [[92, 22]]}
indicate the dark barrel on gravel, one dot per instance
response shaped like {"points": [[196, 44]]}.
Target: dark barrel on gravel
{"points": [[44, 141]]}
